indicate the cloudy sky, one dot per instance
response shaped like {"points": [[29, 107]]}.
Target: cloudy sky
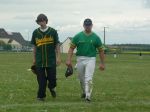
{"points": [[128, 20]]}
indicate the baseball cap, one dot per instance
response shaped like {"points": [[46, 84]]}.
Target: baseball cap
{"points": [[87, 22]]}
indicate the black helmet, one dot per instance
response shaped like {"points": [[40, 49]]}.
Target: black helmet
{"points": [[42, 17]]}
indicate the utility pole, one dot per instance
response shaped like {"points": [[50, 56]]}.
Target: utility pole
{"points": [[105, 35]]}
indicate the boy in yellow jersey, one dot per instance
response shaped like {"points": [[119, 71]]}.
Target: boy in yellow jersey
{"points": [[86, 43], [46, 56]]}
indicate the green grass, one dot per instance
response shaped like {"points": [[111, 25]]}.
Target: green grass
{"points": [[123, 87]]}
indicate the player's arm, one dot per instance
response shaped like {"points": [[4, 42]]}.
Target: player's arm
{"points": [[57, 49], [58, 57], [102, 59], [70, 52], [100, 48], [69, 56], [34, 47], [73, 45], [34, 54]]}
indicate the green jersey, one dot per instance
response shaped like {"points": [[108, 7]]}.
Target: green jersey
{"points": [[86, 44], [45, 44]]}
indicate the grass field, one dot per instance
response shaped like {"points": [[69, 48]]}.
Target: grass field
{"points": [[123, 87]]}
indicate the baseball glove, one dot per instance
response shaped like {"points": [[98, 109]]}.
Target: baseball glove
{"points": [[69, 71], [33, 69]]}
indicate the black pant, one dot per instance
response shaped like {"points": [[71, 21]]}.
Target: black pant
{"points": [[44, 74]]}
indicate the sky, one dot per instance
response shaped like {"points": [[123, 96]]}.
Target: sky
{"points": [[127, 21]]}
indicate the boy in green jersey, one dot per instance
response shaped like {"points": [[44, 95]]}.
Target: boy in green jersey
{"points": [[46, 56], [87, 44]]}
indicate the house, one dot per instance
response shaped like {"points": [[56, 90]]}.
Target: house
{"points": [[66, 45], [15, 39]]}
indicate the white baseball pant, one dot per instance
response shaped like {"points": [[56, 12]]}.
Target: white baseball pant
{"points": [[86, 68]]}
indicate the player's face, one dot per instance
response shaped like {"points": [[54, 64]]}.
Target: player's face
{"points": [[88, 28], [42, 23]]}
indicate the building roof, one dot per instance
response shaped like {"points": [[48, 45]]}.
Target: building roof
{"points": [[13, 36], [3, 33], [66, 40], [18, 37]]}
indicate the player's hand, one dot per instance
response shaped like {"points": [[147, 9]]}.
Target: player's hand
{"points": [[58, 61], [68, 63], [102, 67]]}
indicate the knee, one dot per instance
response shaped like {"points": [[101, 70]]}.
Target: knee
{"points": [[88, 79]]}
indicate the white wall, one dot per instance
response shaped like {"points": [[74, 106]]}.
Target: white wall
{"points": [[65, 46], [14, 44]]}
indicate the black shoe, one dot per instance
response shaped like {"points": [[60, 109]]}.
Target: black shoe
{"points": [[53, 93], [83, 95], [41, 99], [88, 99]]}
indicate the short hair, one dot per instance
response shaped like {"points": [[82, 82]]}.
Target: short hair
{"points": [[41, 17]]}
